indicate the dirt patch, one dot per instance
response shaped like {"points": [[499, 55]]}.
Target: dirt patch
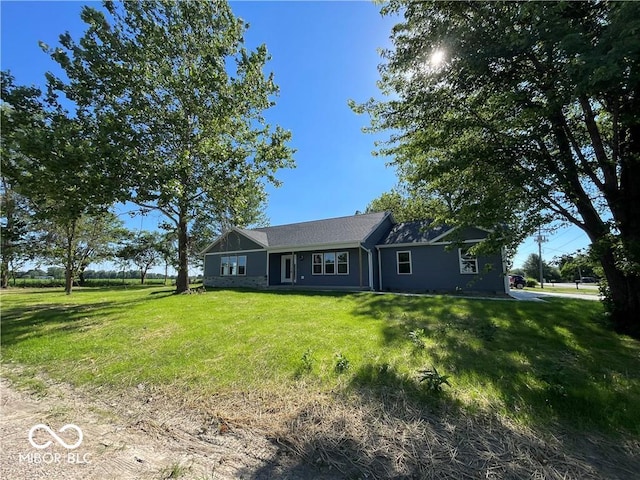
{"points": [[131, 438], [147, 433]]}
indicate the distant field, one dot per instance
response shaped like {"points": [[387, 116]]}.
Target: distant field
{"points": [[95, 282], [530, 362]]}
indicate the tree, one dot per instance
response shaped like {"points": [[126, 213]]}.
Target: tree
{"points": [[173, 87], [575, 266], [531, 269], [533, 115], [57, 161], [15, 236], [78, 243], [19, 109], [406, 206], [144, 250], [55, 272]]}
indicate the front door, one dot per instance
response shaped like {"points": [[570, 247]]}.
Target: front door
{"points": [[286, 269]]}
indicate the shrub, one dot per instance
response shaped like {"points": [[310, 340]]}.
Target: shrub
{"points": [[433, 380], [342, 363], [307, 362], [416, 337]]}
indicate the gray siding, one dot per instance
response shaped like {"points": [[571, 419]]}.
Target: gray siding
{"points": [[435, 269], [358, 276], [467, 233], [374, 237], [233, 242], [255, 276]]}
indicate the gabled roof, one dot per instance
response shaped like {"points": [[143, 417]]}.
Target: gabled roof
{"points": [[415, 232], [351, 230], [255, 235], [343, 230]]}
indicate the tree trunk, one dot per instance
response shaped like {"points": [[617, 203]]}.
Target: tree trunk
{"points": [[5, 239], [68, 280], [623, 302], [182, 281], [143, 274], [621, 262], [4, 276], [69, 266]]}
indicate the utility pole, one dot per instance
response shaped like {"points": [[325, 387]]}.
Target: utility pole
{"points": [[540, 238]]}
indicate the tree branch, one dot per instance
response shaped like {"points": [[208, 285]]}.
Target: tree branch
{"points": [[168, 213], [608, 168]]}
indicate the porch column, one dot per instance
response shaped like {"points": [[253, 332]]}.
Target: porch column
{"points": [[267, 273], [294, 267]]}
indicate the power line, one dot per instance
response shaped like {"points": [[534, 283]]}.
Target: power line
{"points": [[570, 241]]}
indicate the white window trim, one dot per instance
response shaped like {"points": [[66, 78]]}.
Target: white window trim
{"points": [[338, 263], [313, 256], [398, 262], [235, 274], [461, 263], [323, 264]]}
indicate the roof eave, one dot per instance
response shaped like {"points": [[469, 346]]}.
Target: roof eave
{"points": [[224, 234], [388, 215], [311, 247]]}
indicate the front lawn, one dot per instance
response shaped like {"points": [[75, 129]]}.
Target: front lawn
{"points": [[530, 362]]}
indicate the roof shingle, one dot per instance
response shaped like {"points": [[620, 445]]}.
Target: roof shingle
{"points": [[414, 232], [351, 229]]}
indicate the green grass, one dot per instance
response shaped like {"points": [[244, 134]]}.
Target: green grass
{"points": [[531, 362]]}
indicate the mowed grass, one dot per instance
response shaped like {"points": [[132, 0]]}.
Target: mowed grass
{"points": [[531, 362]]}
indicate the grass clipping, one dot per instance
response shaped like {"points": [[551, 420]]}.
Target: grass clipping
{"points": [[382, 436]]}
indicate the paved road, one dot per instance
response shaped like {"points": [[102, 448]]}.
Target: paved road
{"points": [[538, 295], [581, 286]]}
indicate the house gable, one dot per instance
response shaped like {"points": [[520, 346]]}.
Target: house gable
{"points": [[420, 256], [235, 240], [464, 234], [414, 233]]}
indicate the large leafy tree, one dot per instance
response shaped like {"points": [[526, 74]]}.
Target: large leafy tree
{"points": [[531, 267], [20, 109], [408, 205], [145, 250], [56, 160], [531, 113], [75, 244], [577, 265], [173, 86], [15, 230]]}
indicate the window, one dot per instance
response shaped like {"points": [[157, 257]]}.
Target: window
{"points": [[233, 265], [224, 266], [468, 262], [242, 265], [317, 264], [343, 263], [330, 263], [404, 263]]}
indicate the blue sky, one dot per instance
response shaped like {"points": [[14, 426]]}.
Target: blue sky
{"points": [[323, 54]]}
